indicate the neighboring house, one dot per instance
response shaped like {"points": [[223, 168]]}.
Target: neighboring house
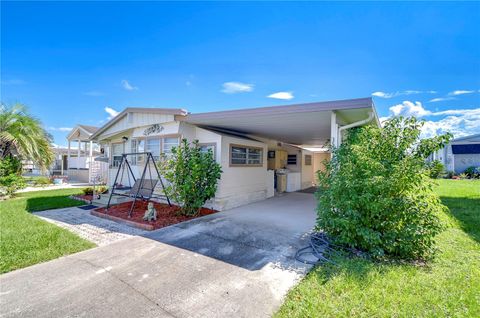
{"points": [[58, 166], [79, 163], [255, 147], [459, 154]]}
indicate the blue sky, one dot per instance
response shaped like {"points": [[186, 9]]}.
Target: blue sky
{"points": [[69, 61]]}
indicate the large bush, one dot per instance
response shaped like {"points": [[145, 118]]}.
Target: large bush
{"points": [[191, 175], [376, 194], [10, 175]]}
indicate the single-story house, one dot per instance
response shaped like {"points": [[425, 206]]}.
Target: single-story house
{"points": [[261, 150], [459, 154]]}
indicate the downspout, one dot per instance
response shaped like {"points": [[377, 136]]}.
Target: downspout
{"points": [[371, 115]]}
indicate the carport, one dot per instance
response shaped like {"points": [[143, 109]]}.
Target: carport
{"points": [[309, 125], [300, 134]]}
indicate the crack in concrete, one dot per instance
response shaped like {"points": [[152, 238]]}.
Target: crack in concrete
{"points": [[128, 285]]}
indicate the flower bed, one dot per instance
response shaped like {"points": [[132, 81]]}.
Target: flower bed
{"points": [[166, 215]]}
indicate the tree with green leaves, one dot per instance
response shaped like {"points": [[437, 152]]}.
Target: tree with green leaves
{"points": [[192, 176], [22, 136], [376, 194]]}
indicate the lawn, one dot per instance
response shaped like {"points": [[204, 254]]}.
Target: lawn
{"points": [[448, 287], [25, 239]]}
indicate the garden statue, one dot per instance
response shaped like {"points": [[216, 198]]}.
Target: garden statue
{"points": [[151, 213]]}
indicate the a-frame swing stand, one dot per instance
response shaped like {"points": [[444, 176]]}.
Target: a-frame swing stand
{"points": [[142, 188]]}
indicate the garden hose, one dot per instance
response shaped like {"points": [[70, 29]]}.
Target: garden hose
{"points": [[315, 252]]}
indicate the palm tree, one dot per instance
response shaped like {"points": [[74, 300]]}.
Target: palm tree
{"points": [[22, 136]]}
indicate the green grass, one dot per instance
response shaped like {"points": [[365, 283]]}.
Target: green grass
{"points": [[448, 287], [25, 239]]}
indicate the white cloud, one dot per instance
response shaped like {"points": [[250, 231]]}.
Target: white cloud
{"points": [[127, 86], [400, 93], [59, 128], [112, 112], [459, 122], [440, 99], [282, 95], [460, 92], [236, 87], [408, 108], [93, 93]]}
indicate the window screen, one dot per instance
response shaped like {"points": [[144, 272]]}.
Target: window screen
{"points": [[240, 155]]}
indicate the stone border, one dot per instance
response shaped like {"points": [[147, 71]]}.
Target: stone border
{"points": [[146, 227], [73, 197]]}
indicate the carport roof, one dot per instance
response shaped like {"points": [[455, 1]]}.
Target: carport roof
{"points": [[300, 124]]}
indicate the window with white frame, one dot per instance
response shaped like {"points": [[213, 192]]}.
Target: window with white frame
{"points": [[245, 156], [117, 151], [138, 145], [153, 145], [206, 148], [168, 144]]}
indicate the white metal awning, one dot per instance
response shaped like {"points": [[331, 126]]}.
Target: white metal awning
{"points": [[300, 124]]}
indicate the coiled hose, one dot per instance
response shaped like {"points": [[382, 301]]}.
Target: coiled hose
{"points": [[316, 251]]}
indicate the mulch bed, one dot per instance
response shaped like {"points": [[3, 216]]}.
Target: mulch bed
{"points": [[166, 215]]}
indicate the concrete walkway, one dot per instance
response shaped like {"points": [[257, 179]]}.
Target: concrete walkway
{"points": [[237, 263], [94, 229]]}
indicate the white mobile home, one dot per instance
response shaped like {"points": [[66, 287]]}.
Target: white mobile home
{"points": [[459, 154], [261, 150]]}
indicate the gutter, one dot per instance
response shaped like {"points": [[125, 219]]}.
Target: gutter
{"points": [[371, 115]]}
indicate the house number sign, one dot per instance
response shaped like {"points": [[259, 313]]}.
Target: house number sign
{"points": [[154, 129]]}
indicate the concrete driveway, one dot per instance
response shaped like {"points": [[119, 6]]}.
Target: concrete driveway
{"points": [[237, 263]]}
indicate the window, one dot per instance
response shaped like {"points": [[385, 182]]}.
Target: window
{"points": [[168, 144], [117, 151], [153, 145], [292, 160], [138, 145], [207, 147], [245, 156], [308, 160]]}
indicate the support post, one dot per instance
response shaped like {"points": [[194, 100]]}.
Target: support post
{"points": [[78, 152], [68, 155], [333, 131]]}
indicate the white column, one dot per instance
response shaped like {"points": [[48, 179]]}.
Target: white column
{"points": [[333, 130], [78, 152], [68, 155]]}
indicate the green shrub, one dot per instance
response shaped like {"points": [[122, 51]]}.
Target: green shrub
{"points": [[41, 181], [11, 183], [191, 175], [10, 165], [10, 176], [436, 169], [449, 174], [472, 172], [98, 190], [376, 195]]}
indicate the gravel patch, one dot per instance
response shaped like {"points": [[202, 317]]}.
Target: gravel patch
{"points": [[81, 222]]}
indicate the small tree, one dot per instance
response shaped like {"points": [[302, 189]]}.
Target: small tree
{"points": [[192, 176], [376, 194]]}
